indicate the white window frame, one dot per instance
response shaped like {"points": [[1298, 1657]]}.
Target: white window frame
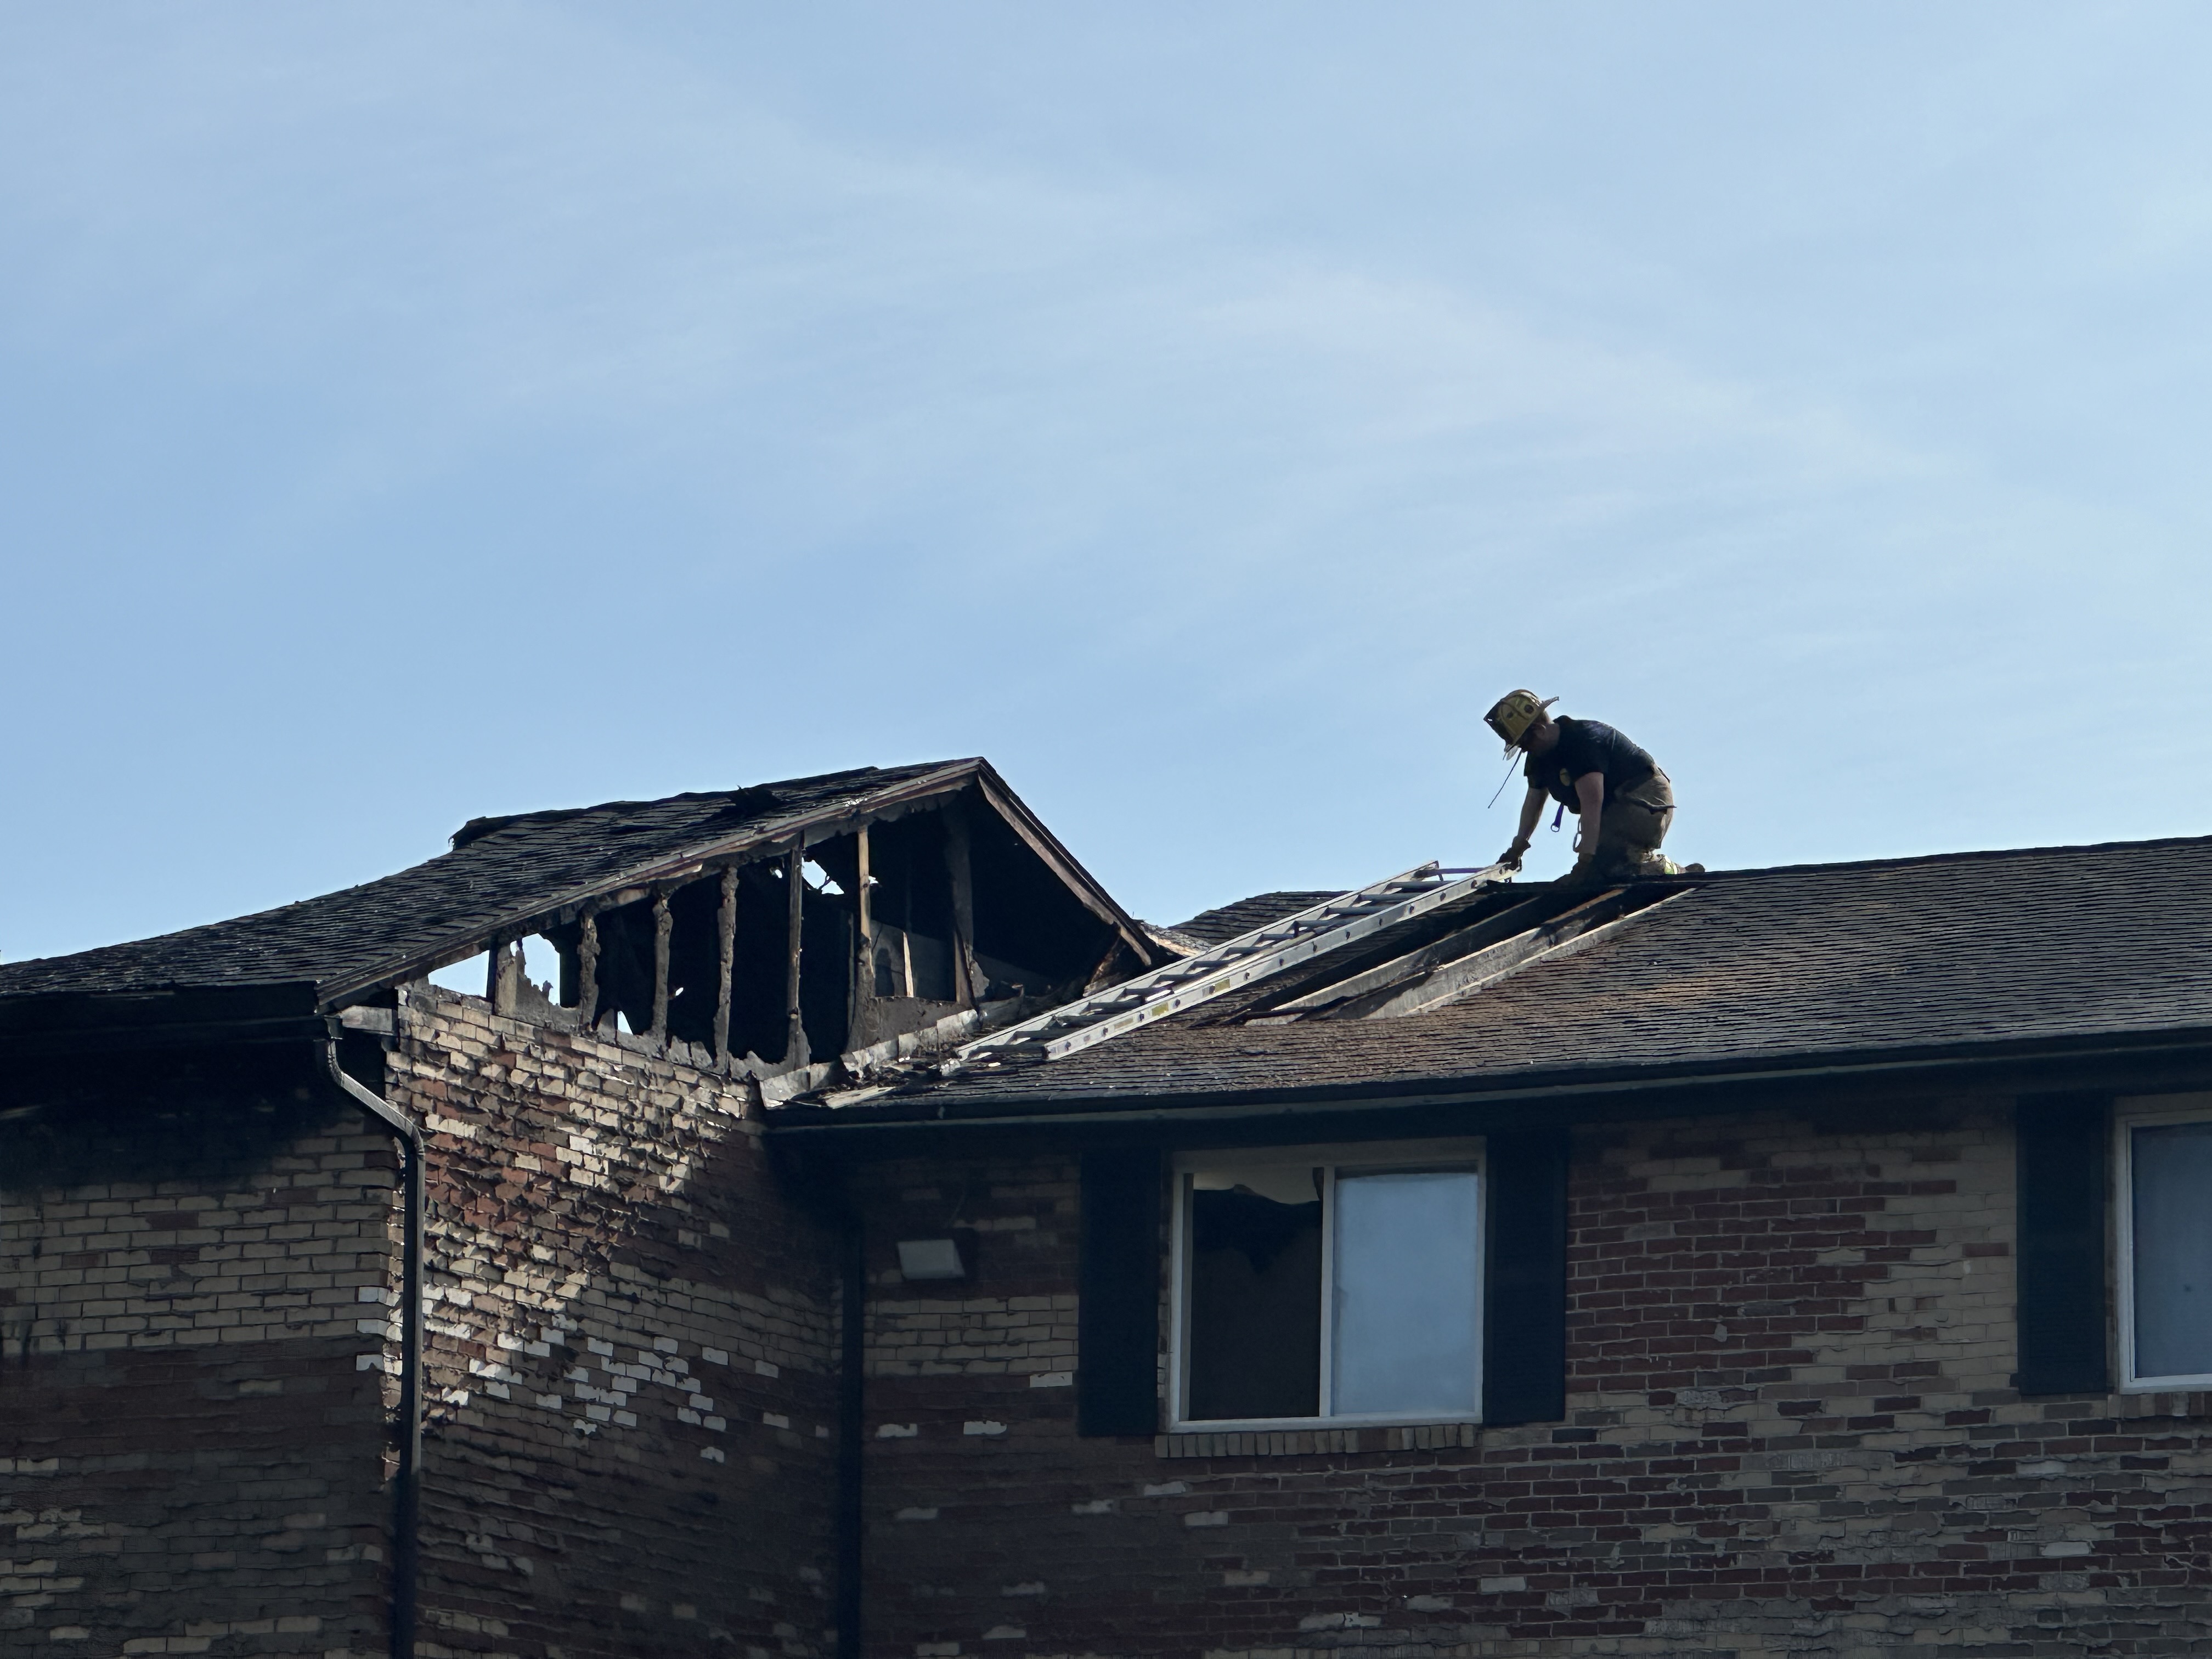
{"points": [[2129, 1115], [1359, 1156]]}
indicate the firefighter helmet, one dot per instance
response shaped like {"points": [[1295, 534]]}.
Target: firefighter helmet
{"points": [[1512, 714]]}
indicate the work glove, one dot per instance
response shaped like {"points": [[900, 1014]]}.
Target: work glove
{"points": [[1510, 858]]}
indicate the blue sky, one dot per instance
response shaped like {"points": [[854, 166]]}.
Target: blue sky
{"points": [[411, 412]]}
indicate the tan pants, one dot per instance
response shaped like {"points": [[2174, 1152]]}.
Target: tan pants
{"points": [[1632, 825]]}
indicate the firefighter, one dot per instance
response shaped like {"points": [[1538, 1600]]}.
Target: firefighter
{"points": [[1622, 799]]}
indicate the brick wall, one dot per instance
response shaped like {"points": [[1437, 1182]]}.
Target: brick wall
{"points": [[1791, 1430], [194, 1274], [630, 1338], [628, 1385]]}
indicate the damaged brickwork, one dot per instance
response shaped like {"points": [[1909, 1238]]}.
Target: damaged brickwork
{"points": [[629, 1330], [1791, 1430]]}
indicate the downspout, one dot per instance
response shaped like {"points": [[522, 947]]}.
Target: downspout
{"points": [[407, 1496], [852, 1443]]}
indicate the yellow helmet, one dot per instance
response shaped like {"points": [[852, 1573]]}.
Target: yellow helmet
{"points": [[1512, 714]]}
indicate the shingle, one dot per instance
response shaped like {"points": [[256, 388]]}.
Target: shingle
{"points": [[1226, 922]]}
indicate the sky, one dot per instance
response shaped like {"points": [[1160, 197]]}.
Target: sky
{"points": [[411, 412]]}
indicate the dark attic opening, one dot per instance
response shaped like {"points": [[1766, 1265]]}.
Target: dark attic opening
{"points": [[789, 949]]}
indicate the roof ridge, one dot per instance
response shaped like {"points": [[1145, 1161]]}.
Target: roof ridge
{"points": [[477, 827], [1962, 856]]}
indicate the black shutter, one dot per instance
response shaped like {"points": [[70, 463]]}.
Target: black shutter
{"points": [[1524, 1342], [1117, 1334], [2062, 1186]]}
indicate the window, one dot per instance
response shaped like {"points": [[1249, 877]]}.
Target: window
{"points": [[1329, 1283], [2165, 1226]]}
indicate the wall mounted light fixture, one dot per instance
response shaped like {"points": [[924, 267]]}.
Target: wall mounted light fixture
{"points": [[931, 1257]]}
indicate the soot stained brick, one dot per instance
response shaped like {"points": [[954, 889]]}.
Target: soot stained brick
{"points": [[631, 1331]]}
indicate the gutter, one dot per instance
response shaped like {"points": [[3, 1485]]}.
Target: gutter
{"points": [[407, 1496], [163, 1017]]}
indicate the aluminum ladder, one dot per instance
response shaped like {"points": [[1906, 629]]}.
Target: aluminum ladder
{"points": [[1074, 1026]]}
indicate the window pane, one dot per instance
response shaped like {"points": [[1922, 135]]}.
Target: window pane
{"points": [[2172, 1170], [1407, 1294], [1255, 1294]]}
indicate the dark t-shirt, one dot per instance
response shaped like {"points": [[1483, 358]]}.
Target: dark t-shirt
{"points": [[1587, 746]]}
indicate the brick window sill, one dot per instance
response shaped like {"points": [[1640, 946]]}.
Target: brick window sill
{"points": [[2171, 1402], [1309, 1443]]}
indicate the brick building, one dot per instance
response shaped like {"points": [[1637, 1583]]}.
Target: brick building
{"points": [[1791, 1262]]}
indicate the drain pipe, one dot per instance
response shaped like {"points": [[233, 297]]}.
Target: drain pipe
{"points": [[852, 1419], [407, 1497]]}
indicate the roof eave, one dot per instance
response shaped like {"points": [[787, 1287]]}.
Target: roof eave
{"points": [[1043, 1108], [182, 1016]]}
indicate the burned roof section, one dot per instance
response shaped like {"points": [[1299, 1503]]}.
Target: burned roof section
{"points": [[1452, 954], [776, 922], [1842, 964], [1318, 933], [1411, 942], [500, 870]]}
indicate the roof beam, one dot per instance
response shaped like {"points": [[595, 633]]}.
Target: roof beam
{"points": [[663, 924], [587, 972], [794, 1036], [725, 956]]}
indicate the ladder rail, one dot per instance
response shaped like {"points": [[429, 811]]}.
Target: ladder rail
{"points": [[1265, 950]]}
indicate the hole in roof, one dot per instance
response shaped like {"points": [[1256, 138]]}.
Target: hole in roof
{"points": [[1446, 958], [468, 977], [541, 966]]}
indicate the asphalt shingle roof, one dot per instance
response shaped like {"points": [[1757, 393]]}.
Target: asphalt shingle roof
{"points": [[1741, 967], [1225, 922], [499, 869]]}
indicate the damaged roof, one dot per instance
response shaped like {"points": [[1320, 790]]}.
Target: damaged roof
{"points": [[1737, 970], [1225, 922], [506, 873]]}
